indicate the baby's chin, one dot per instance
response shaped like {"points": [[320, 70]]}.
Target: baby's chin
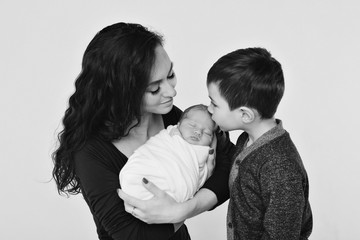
{"points": [[196, 142]]}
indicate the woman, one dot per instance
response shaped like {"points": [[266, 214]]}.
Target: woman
{"points": [[123, 96]]}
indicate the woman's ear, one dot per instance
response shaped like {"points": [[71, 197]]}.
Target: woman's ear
{"points": [[247, 114]]}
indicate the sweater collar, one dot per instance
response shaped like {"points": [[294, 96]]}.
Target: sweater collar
{"points": [[273, 133]]}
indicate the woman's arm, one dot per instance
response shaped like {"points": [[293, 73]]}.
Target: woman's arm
{"points": [[218, 181], [97, 168], [164, 209]]}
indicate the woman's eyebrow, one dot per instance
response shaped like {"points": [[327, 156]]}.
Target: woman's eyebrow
{"points": [[154, 83], [159, 80]]}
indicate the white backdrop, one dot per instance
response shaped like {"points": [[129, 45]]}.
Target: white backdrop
{"points": [[42, 43]]}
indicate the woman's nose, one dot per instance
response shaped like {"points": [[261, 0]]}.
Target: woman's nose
{"points": [[169, 90]]}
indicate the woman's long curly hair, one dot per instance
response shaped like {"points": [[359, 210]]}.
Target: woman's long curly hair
{"points": [[116, 69]]}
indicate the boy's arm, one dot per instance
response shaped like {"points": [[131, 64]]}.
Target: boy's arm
{"points": [[284, 200]]}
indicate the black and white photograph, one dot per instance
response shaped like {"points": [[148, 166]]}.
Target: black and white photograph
{"points": [[151, 120]]}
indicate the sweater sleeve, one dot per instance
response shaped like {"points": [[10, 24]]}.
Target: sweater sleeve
{"points": [[284, 199], [219, 180], [97, 171]]}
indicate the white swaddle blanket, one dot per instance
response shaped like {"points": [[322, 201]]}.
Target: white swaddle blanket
{"points": [[167, 160]]}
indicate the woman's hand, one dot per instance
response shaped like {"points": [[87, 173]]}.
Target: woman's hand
{"points": [[161, 208]]}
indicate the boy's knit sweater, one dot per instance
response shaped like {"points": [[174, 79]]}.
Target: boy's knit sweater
{"points": [[269, 190]]}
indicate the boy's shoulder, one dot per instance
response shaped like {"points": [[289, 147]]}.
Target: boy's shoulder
{"points": [[277, 153], [276, 143]]}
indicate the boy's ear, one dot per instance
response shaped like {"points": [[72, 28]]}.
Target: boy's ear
{"points": [[247, 114]]}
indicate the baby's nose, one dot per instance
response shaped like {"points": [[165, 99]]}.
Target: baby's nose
{"points": [[197, 133]]}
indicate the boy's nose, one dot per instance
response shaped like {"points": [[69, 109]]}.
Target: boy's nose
{"points": [[209, 108]]}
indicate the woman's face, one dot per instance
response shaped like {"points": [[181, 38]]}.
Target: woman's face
{"points": [[159, 94]]}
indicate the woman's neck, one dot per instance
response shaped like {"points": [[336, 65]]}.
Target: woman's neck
{"points": [[149, 125]]}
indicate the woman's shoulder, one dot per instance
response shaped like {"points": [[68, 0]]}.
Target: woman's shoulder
{"points": [[172, 117], [99, 150]]}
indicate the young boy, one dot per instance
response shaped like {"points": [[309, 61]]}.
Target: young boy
{"points": [[178, 160], [269, 187]]}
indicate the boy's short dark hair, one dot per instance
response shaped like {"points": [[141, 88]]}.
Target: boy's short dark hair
{"points": [[249, 77]]}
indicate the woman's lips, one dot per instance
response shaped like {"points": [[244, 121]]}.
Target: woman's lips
{"points": [[168, 101]]}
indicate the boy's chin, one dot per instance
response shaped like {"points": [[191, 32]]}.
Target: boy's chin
{"points": [[224, 129]]}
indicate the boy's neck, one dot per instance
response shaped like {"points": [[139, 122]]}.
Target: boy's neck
{"points": [[257, 128]]}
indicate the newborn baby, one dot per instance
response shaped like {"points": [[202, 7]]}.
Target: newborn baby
{"points": [[178, 159]]}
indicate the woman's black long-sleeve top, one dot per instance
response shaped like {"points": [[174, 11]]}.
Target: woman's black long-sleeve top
{"points": [[98, 165]]}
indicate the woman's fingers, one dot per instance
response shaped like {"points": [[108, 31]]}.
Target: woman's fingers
{"points": [[129, 208], [133, 205], [129, 200], [157, 192], [159, 209]]}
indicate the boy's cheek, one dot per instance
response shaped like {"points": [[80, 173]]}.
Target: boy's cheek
{"points": [[215, 118], [219, 123]]}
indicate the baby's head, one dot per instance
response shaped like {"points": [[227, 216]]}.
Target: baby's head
{"points": [[196, 125]]}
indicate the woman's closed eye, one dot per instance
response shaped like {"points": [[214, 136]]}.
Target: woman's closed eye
{"points": [[172, 75], [153, 92], [154, 88]]}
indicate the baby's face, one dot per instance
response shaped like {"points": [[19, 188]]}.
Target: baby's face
{"points": [[197, 128]]}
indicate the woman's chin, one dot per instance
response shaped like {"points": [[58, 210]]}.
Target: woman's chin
{"points": [[167, 108], [163, 109]]}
